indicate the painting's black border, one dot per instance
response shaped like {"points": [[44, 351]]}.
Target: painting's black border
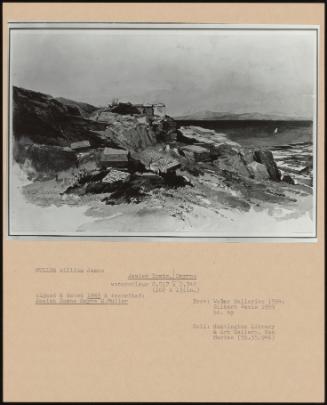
{"points": [[117, 27]]}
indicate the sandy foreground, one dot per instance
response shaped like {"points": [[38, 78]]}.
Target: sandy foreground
{"points": [[39, 209]]}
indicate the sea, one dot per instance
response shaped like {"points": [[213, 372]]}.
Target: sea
{"points": [[291, 142]]}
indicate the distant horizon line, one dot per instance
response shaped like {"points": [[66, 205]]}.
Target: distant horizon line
{"points": [[179, 115], [222, 113]]}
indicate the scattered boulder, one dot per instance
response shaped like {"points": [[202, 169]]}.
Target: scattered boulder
{"points": [[114, 157], [209, 137], [80, 146], [156, 161], [140, 185], [84, 176], [134, 190], [163, 166], [258, 170], [248, 155], [88, 160], [225, 149], [196, 153], [266, 158], [135, 164], [97, 181], [124, 131], [288, 179], [232, 160], [116, 175]]}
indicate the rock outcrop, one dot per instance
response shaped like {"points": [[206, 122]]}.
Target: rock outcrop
{"points": [[266, 158], [203, 136], [288, 179], [145, 150], [196, 153], [230, 156], [156, 160], [231, 159], [126, 131], [258, 171]]}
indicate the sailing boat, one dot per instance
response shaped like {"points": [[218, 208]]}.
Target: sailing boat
{"points": [[276, 131]]}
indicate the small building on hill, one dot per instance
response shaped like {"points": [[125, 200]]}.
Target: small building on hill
{"points": [[147, 109], [159, 109], [151, 110]]}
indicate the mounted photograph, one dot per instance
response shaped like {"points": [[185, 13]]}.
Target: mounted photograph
{"points": [[163, 131]]}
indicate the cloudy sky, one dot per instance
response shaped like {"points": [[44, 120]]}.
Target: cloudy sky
{"points": [[235, 71]]}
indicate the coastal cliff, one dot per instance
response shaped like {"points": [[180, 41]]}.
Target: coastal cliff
{"points": [[86, 153]]}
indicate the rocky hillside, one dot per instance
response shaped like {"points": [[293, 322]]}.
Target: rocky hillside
{"points": [[42, 119], [85, 110], [48, 131], [77, 154], [127, 131]]}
